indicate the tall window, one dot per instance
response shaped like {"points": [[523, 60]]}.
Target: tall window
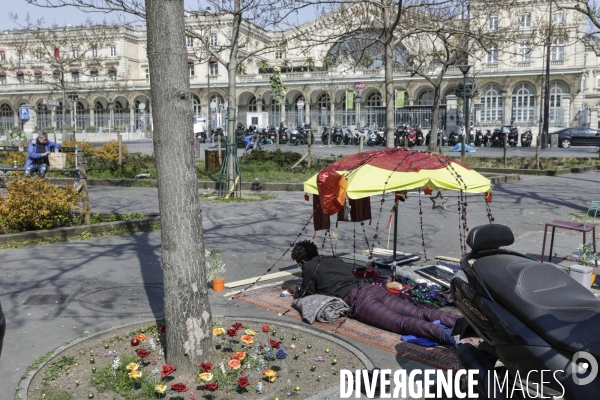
{"points": [[113, 51], [119, 115], [252, 104], [525, 20], [112, 75], [323, 107], [38, 79], [2, 56], [492, 104], [38, 55], [191, 70], [426, 98], [523, 103], [147, 74], [213, 39], [75, 52], [2, 80], [213, 69], [75, 76], [493, 23], [492, 56], [279, 54], [559, 17], [20, 55], [43, 116], [197, 106], [94, 77], [98, 115], [94, 52], [189, 41], [20, 79], [6, 117], [557, 91], [56, 76], [524, 52], [558, 50], [374, 100]]}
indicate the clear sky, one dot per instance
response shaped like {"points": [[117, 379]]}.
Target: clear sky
{"points": [[73, 16]]}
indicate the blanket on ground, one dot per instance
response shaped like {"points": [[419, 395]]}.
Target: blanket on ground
{"points": [[320, 307]]}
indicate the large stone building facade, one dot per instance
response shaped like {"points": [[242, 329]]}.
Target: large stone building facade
{"points": [[113, 82]]}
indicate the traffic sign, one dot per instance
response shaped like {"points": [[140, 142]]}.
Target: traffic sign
{"points": [[300, 104], [213, 105], [73, 97], [142, 106], [24, 113], [52, 102]]}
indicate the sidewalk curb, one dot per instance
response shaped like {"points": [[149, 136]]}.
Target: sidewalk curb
{"points": [[24, 383]]}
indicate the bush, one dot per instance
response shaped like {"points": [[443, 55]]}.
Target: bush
{"points": [[16, 129], [91, 129], [110, 151], [31, 203], [88, 151], [285, 159], [133, 164], [50, 128]]}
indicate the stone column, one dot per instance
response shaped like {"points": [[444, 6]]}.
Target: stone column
{"points": [[452, 115], [16, 121], [507, 111], [306, 112], [92, 122], [565, 103]]}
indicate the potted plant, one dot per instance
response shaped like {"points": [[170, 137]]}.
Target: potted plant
{"points": [[214, 269], [587, 257]]}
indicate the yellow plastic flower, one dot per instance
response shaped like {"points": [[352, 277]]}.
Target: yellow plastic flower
{"points": [[269, 373], [205, 377], [160, 388], [247, 339], [218, 331], [132, 367], [250, 332], [135, 374], [235, 364]]}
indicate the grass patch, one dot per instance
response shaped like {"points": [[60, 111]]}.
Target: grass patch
{"points": [[56, 367], [51, 393], [247, 198], [32, 242], [128, 231], [528, 162], [98, 219], [121, 383], [37, 362]]}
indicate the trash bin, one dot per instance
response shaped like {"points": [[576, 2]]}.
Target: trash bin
{"points": [[211, 159]]}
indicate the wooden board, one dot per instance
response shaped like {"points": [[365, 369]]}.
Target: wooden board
{"points": [[267, 277]]}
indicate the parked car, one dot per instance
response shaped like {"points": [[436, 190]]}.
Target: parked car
{"points": [[2, 328], [577, 137]]}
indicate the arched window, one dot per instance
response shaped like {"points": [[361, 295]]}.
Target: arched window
{"points": [[451, 92], [296, 100], [119, 114], [59, 116], [374, 100], [523, 103], [491, 98], [6, 117], [98, 115], [43, 116], [217, 99], [81, 116], [252, 104], [426, 98], [323, 107], [197, 106], [557, 91]]}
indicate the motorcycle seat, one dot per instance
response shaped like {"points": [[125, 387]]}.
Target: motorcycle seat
{"points": [[550, 302]]}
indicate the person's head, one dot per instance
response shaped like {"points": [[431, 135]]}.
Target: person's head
{"points": [[304, 251], [42, 137]]}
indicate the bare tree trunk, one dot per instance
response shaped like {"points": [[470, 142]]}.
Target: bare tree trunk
{"points": [[232, 101], [389, 78], [187, 311]]}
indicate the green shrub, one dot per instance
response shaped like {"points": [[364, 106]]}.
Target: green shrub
{"points": [[91, 129], [285, 159], [31, 203], [50, 128], [16, 129], [110, 151]]}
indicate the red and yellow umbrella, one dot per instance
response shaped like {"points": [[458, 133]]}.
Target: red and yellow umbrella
{"points": [[391, 170]]}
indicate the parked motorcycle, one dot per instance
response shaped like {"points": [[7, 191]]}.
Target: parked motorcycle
{"points": [[497, 138], [488, 138], [294, 136], [412, 137], [338, 135], [400, 134], [443, 136], [325, 134], [539, 325], [479, 138], [348, 136], [513, 137], [526, 139], [453, 139], [373, 137]]}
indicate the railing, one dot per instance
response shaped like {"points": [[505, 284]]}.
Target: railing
{"points": [[491, 66], [523, 64], [557, 62]]}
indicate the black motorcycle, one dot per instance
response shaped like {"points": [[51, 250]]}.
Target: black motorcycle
{"points": [[453, 139], [348, 136], [513, 137], [338, 135], [539, 325], [325, 135], [399, 135], [420, 138], [479, 138], [497, 138], [526, 139], [444, 138]]}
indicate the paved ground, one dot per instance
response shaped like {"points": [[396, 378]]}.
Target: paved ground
{"points": [[252, 237]]}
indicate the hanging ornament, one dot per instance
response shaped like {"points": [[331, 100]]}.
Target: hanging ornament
{"points": [[428, 190], [306, 197], [434, 199], [488, 197]]}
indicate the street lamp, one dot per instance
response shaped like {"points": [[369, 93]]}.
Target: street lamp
{"points": [[465, 70]]}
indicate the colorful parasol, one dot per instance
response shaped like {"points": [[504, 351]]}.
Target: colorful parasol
{"points": [[390, 170]]}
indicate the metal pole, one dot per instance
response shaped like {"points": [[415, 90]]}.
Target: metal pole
{"points": [[462, 146], [74, 119], [547, 86], [395, 238]]}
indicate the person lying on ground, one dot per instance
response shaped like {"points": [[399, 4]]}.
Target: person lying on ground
{"points": [[372, 304], [37, 154]]}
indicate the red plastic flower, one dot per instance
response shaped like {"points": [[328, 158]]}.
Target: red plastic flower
{"points": [[134, 342], [179, 387], [167, 370], [162, 329], [274, 344], [206, 367], [231, 332], [141, 353], [238, 326], [211, 387], [243, 382], [266, 328]]}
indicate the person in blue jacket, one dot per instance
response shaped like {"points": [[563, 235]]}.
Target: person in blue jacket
{"points": [[37, 154]]}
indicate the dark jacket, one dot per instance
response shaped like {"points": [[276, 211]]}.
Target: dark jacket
{"points": [[329, 276]]}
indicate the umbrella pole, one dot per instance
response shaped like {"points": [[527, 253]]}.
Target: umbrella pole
{"points": [[395, 239]]}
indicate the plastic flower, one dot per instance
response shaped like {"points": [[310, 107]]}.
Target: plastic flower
{"points": [[211, 387], [162, 329], [247, 339], [235, 363], [135, 374], [132, 367], [250, 332], [265, 328], [237, 326], [243, 382], [179, 387], [167, 370], [281, 354], [274, 344], [141, 353], [205, 377], [240, 355], [206, 367], [269, 373], [141, 337], [231, 332], [218, 331], [160, 389]]}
